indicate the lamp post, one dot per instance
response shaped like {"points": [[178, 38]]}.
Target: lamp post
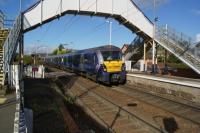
{"points": [[154, 32], [110, 32]]}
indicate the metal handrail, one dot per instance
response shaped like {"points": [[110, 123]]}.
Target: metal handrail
{"points": [[179, 44], [133, 47], [10, 45]]}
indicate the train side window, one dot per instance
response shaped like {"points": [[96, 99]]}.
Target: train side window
{"points": [[65, 59], [95, 59], [86, 58], [76, 59], [91, 59]]}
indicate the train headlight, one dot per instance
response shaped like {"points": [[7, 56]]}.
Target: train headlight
{"points": [[103, 66], [123, 67]]}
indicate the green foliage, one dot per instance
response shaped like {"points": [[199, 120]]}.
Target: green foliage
{"points": [[55, 52], [173, 59], [27, 59], [178, 65], [58, 52], [61, 47]]}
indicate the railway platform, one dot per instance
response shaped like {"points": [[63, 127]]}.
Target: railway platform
{"points": [[167, 78], [186, 90]]}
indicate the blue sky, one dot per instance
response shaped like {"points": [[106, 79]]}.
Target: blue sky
{"points": [[84, 32]]}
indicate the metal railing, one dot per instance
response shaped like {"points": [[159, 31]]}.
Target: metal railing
{"points": [[134, 47], [180, 44], [10, 44]]}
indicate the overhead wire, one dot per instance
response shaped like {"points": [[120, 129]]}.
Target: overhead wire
{"points": [[98, 27], [73, 20]]}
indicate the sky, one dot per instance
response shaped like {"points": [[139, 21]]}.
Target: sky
{"points": [[81, 32]]}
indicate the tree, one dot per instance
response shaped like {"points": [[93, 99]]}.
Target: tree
{"points": [[55, 51], [61, 47], [58, 52]]}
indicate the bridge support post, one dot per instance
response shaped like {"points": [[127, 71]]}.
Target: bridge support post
{"points": [[21, 65], [153, 57], [145, 45], [21, 69], [165, 62]]}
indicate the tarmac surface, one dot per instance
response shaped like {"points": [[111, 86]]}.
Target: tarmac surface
{"points": [[7, 114]]}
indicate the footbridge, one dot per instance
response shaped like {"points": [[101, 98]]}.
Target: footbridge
{"points": [[126, 12]]}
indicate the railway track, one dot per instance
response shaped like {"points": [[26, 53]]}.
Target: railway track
{"points": [[124, 109], [186, 111], [115, 117]]}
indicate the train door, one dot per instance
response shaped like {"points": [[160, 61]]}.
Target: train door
{"points": [[81, 65], [94, 63], [86, 63]]}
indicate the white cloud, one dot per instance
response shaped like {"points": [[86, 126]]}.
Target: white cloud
{"points": [[195, 11], [198, 37], [4, 2], [31, 48], [150, 3]]}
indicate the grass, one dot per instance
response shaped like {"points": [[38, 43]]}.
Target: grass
{"points": [[178, 65]]}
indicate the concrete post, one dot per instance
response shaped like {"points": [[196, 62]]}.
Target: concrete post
{"points": [[43, 68], [16, 80]]}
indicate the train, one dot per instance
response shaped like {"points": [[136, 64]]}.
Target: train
{"points": [[103, 64]]}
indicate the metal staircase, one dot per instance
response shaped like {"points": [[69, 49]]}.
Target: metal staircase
{"points": [[135, 50], [10, 47], [180, 45], [175, 42], [3, 36]]}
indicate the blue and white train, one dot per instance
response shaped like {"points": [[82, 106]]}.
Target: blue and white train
{"points": [[102, 64]]}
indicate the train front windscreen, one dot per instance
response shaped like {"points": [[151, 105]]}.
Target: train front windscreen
{"points": [[111, 55]]}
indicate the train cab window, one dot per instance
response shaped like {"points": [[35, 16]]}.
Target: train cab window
{"points": [[111, 55]]}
